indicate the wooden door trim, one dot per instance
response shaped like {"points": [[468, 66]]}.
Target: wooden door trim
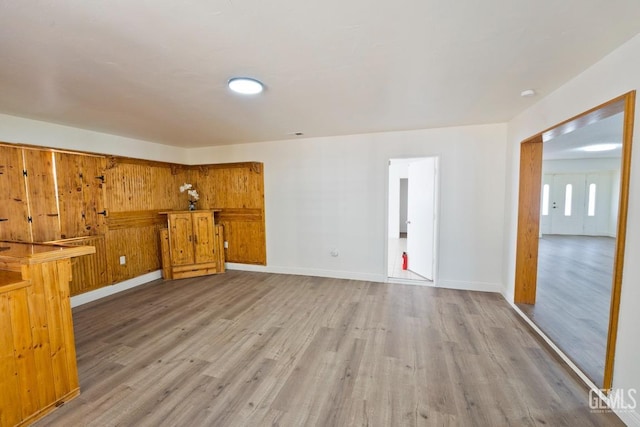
{"points": [[621, 237], [528, 220], [529, 211]]}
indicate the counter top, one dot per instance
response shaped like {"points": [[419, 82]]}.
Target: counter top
{"points": [[34, 253]]}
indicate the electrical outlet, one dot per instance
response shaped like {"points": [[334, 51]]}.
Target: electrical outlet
{"points": [[123, 260], [226, 244]]}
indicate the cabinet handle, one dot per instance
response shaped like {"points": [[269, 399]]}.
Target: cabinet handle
{"points": [[195, 239], [189, 237]]}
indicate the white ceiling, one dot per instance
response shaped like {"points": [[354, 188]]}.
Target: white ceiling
{"points": [[157, 69], [570, 145]]}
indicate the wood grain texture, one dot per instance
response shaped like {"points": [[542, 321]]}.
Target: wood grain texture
{"points": [[71, 195], [80, 194], [246, 349], [166, 254], [13, 196], [37, 351], [621, 233], [528, 220], [88, 272], [144, 186], [10, 397], [194, 246], [141, 258], [41, 195], [237, 189]]}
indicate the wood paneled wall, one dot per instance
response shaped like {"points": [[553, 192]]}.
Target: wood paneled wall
{"points": [[113, 203], [81, 198], [88, 272], [238, 190]]}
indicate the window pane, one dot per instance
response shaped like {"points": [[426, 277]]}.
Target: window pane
{"points": [[567, 199], [591, 210], [545, 199]]}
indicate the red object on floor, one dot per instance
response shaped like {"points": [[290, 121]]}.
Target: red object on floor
{"points": [[405, 261]]}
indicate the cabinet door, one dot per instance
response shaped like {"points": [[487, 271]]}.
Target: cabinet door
{"points": [[13, 196], [180, 234], [41, 194], [203, 237]]}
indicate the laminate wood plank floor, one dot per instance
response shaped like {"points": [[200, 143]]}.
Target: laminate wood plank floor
{"points": [[573, 296], [257, 349]]}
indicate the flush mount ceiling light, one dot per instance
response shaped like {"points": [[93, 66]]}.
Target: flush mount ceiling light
{"points": [[245, 85], [527, 93], [600, 147]]}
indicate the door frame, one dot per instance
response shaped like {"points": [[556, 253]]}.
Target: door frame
{"points": [[436, 225], [529, 211]]}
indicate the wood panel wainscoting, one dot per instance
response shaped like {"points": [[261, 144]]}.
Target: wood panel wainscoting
{"points": [[237, 190], [49, 194], [37, 350], [89, 272]]}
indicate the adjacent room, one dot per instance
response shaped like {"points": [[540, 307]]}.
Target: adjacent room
{"points": [[239, 213]]}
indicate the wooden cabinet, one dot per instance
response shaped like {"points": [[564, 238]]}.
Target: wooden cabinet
{"points": [[192, 245], [38, 369]]}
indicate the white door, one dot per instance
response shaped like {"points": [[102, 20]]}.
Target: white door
{"points": [[567, 204], [421, 216]]}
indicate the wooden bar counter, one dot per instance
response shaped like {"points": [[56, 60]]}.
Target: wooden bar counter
{"points": [[37, 350]]}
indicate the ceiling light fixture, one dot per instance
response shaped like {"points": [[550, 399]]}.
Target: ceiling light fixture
{"points": [[527, 93], [245, 85], [600, 147]]}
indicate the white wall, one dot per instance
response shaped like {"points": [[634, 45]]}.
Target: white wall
{"points": [[580, 165], [614, 75], [25, 131], [324, 193]]}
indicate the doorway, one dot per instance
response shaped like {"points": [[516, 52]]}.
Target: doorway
{"points": [[412, 220], [571, 233]]}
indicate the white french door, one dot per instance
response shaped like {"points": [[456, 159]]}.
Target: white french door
{"points": [[576, 204]]}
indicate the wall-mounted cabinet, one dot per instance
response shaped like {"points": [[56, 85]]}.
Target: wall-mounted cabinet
{"points": [[194, 245]]}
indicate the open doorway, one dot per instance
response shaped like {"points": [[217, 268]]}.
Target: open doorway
{"points": [[412, 220], [572, 214]]}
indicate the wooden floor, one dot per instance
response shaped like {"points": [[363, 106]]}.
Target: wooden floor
{"points": [[573, 296], [255, 349]]}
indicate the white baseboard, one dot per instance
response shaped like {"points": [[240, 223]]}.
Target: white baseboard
{"points": [[349, 275], [400, 281], [627, 417], [114, 289], [469, 286]]}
